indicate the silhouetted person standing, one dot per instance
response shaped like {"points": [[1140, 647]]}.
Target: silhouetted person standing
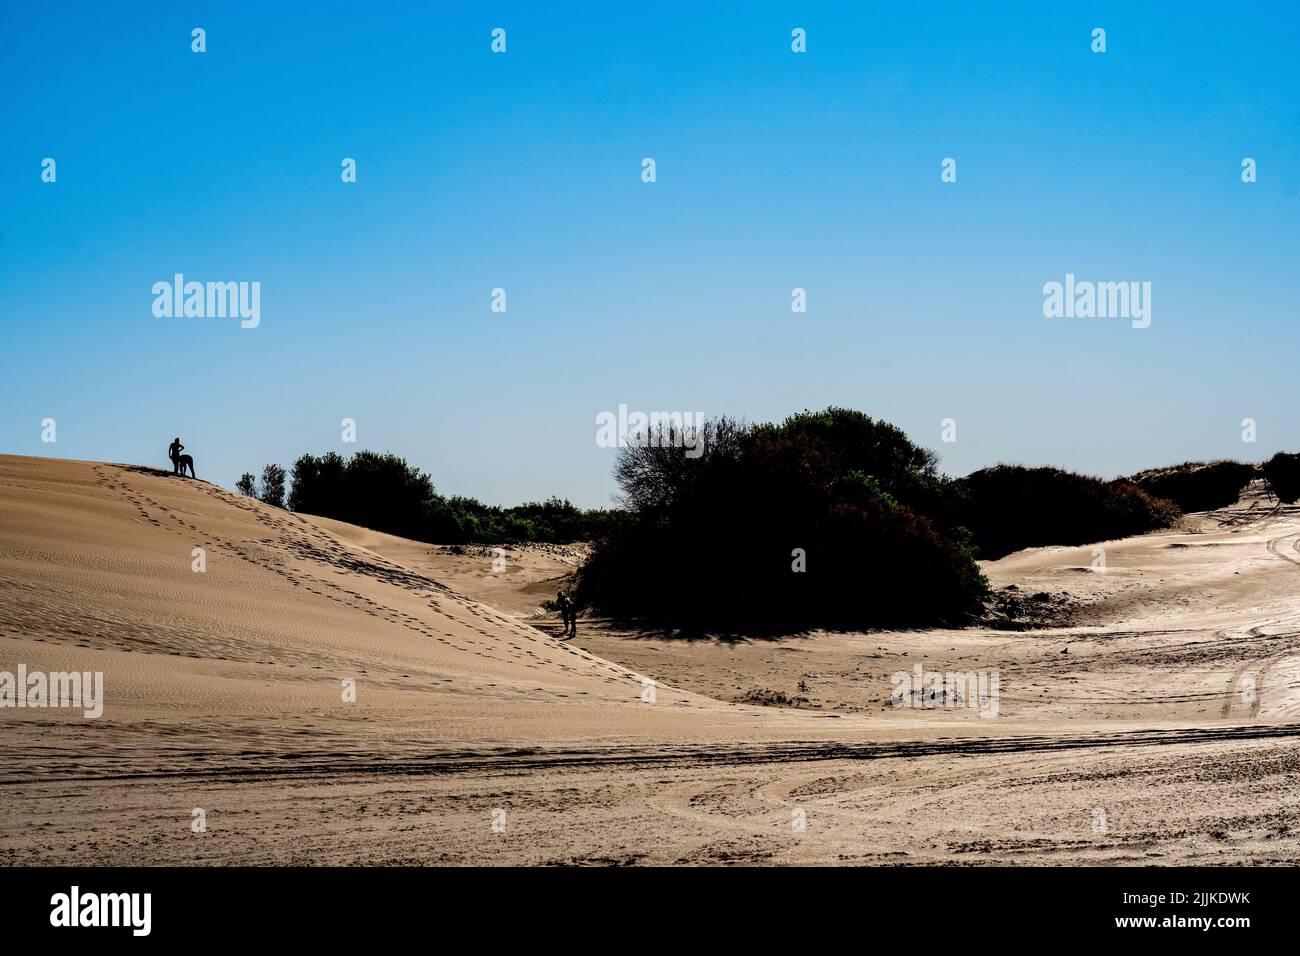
{"points": [[568, 613], [174, 453]]}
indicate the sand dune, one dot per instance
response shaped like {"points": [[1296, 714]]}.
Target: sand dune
{"points": [[1161, 725]]}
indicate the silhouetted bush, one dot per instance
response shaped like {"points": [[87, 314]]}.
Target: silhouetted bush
{"points": [[272, 490], [654, 474], [383, 492], [247, 485], [1282, 472], [1197, 486], [379, 491], [908, 472], [1010, 507], [712, 541], [318, 484]]}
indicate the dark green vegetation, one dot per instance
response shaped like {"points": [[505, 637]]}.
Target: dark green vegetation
{"points": [[830, 519], [383, 492], [1282, 473], [1009, 507], [1198, 486]]}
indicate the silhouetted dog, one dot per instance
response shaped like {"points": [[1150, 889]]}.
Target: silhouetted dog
{"points": [[183, 462]]}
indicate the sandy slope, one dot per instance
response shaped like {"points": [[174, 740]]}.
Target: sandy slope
{"points": [[1167, 709]]}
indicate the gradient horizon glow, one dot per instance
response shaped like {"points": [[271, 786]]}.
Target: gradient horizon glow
{"points": [[522, 171]]}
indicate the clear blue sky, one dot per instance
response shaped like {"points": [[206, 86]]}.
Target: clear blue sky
{"points": [[523, 171]]}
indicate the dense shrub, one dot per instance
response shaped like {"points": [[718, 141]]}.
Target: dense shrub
{"points": [[318, 485], [1282, 472], [710, 542], [861, 444], [1197, 486], [383, 492], [1010, 507]]}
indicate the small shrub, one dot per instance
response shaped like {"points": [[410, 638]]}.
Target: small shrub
{"points": [[765, 697], [273, 486], [1282, 472]]}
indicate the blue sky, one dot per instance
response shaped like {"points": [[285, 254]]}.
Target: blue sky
{"points": [[522, 170]]}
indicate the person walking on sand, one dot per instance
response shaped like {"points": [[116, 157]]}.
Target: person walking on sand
{"points": [[174, 453], [568, 614]]}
